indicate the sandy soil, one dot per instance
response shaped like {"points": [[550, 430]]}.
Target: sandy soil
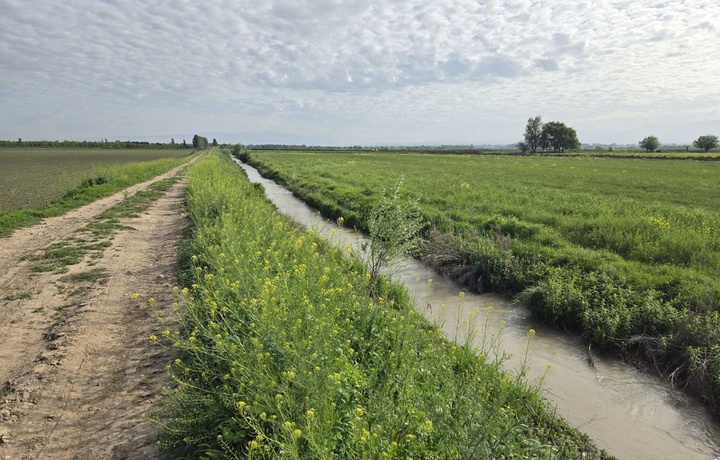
{"points": [[77, 368]]}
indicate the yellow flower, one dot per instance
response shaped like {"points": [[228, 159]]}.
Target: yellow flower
{"points": [[153, 337]]}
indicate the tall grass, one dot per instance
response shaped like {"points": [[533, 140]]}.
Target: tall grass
{"points": [[285, 355], [626, 250]]}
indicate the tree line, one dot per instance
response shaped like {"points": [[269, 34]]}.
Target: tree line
{"points": [[93, 144], [705, 143], [198, 142]]}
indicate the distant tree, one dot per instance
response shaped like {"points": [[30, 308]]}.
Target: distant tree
{"points": [[214, 143], [196, 141], [650, 144], [523, 146], [19, 140], [558, 137], [706, 143], [172, 141], [184, 144], [533, 133]]}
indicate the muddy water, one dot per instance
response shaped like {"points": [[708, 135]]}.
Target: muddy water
{"points": [[630, 413]]}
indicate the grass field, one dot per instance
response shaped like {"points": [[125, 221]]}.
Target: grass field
{"points": [[627, 250], [33, 177], [284, 354], [38, 183]]}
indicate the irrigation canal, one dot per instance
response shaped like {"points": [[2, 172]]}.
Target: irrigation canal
{"points": [[631, 414]]}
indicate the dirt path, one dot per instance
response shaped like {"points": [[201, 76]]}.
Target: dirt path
{"points": [[77, 370]]}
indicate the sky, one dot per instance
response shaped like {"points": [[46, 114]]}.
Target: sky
{"points": [[358, 72]]}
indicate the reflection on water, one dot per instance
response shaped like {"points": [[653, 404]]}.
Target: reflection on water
{"points": [[630, 413]]}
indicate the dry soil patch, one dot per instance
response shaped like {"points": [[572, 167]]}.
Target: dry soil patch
{"points": [[77, 370]]}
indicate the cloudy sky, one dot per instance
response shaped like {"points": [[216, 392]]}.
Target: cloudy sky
{"points": [[358, 71]]}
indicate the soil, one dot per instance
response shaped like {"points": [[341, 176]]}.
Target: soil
{"points": [[78, 371]]}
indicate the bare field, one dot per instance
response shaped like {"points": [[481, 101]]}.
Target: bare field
{"points": [[33, 177]]}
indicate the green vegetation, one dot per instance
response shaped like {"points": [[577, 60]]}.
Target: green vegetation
{"points": [[22, 295], [96, 274], [393, 227], [649, 143], [706, 143], [546, 136], [626, 250], [38, 183], [285, 355]]}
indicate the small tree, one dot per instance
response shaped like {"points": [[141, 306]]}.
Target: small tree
{"points": [[706, 143], [393, 224], [650, 144], [533, 133], [214, 142]]}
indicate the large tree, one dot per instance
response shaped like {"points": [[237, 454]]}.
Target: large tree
{"points": [[706, 143], [558, 137], [650, 144], [533, 131]]}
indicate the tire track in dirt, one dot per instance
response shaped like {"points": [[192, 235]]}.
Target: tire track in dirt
{"points": [[77, 370]]}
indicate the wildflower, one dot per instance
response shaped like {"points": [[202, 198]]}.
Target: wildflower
{"points": [[135, 295], [153, 337], [241, 405], [310, 414]]}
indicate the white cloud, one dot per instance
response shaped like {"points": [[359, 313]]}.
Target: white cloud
{"points": [[386, 71]]}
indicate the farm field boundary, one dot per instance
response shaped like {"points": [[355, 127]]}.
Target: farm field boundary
{"points": [[626, 250]]}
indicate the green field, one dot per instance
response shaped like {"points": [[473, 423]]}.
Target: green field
{"points": [[285, 354], [626, 250], [33, 177]]}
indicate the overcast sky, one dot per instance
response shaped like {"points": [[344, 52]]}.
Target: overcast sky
{"points": [[358, 71]]}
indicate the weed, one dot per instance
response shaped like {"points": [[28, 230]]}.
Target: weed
{"points": [[23, 295], [96, 274]]}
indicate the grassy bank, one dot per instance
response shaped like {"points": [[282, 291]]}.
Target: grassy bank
{"points": [[61, 192], [626, 250], [283, 353]]}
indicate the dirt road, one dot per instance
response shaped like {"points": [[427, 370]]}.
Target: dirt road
{"points": [[77, 368]]}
